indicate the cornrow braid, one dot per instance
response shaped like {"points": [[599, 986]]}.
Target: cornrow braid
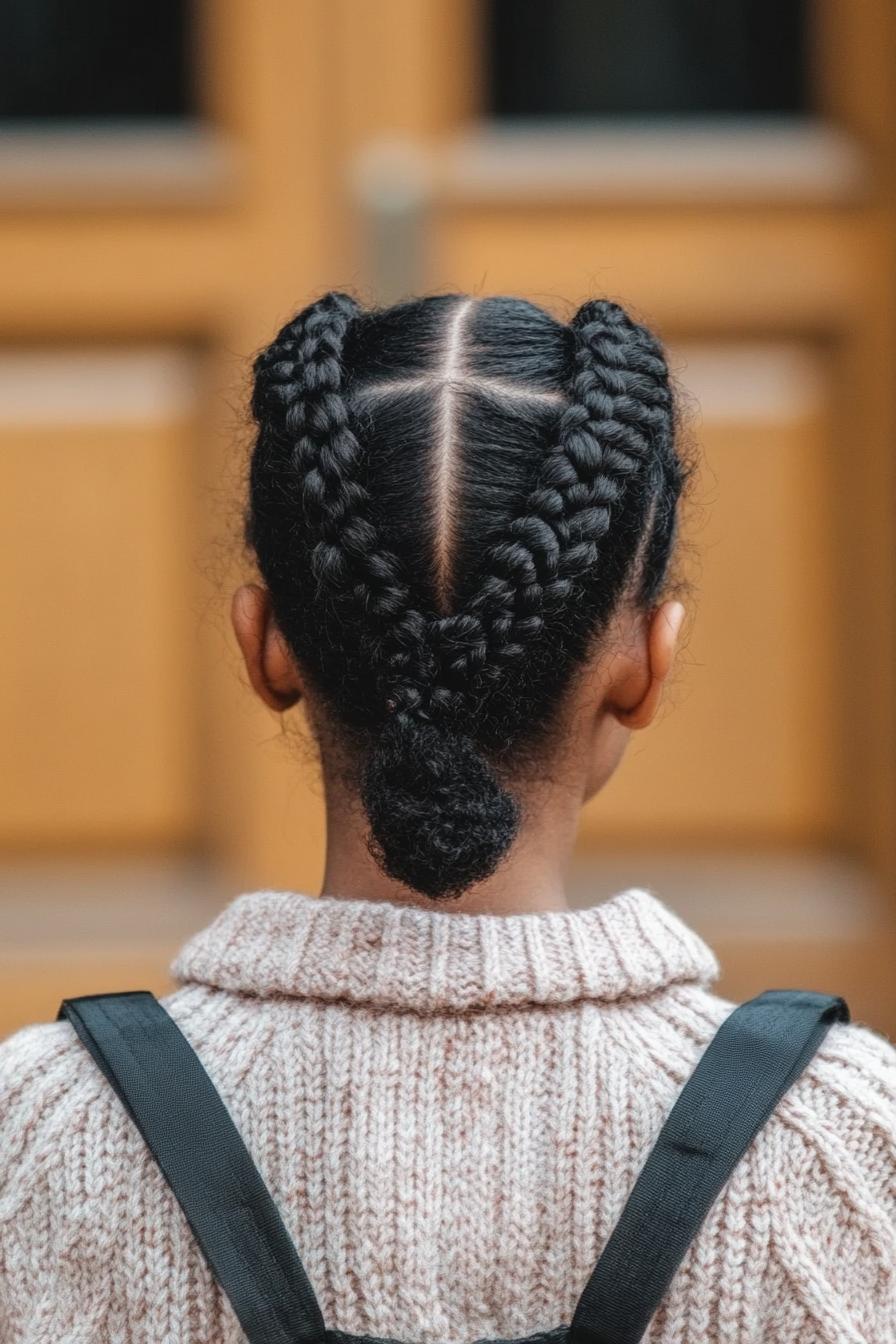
{"points": [[298, 399], [618, 416], [548, 450]]}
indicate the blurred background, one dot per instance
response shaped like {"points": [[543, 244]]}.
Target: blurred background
{"points": [[177, 179]]}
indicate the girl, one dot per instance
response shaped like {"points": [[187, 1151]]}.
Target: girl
{"points": [[463, 513]]}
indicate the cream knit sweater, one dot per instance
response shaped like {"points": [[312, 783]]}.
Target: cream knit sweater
{"points": [[450, 1110]]}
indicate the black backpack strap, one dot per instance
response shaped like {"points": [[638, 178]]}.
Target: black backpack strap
{"points": [[190, 1133], [757, 1053]]}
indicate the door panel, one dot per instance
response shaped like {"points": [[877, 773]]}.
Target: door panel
{"points": [[96, 708]]}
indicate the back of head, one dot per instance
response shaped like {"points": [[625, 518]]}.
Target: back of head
{"points": [[447, 499]]}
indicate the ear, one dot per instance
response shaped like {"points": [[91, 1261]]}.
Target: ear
{"points": [[271, 668], [662, 634]]}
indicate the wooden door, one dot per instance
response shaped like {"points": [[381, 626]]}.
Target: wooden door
{"points": [[337, 143]]}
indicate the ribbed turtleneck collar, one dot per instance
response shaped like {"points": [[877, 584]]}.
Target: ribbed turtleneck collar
{"points": [[395, 956]]}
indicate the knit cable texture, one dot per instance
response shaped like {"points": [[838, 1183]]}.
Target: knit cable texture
{"points": [[449, 1110]]}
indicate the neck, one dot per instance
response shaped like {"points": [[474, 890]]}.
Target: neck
{"points": [[531, 878]]}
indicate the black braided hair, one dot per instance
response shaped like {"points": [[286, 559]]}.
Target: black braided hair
{"points": [[447, 498]]}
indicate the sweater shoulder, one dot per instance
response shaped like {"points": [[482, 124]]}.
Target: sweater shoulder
{"points": [[52, 1093], [77, 1180], [843, 1109], [33, 1054], [815, 1193], [40, 1065], [842, 1103], [823, 1176], [850, 1052], [827, 1166]]}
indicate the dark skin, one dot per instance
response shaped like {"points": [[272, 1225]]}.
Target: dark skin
{"points": [[617, 693]]}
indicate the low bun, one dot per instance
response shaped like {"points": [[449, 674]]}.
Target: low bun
{"points": [[440, 819]]}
